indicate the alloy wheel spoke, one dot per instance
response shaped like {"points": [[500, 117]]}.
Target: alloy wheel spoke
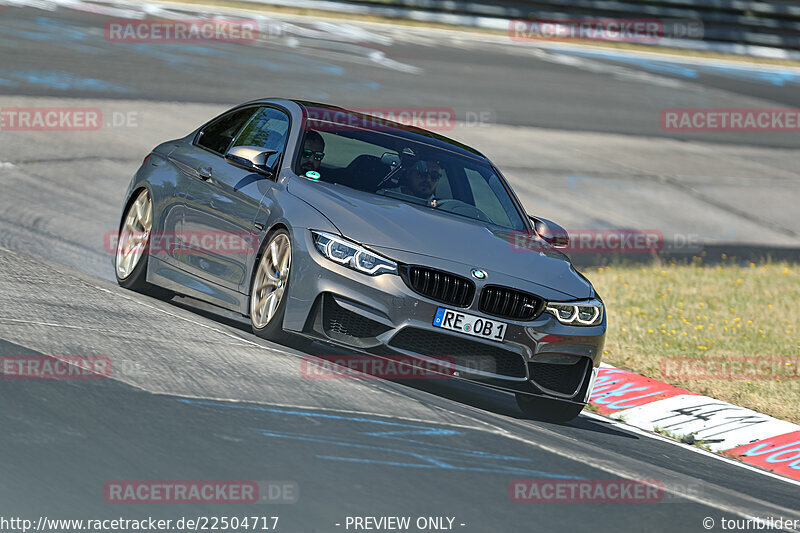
{"points": [[273, 305], [263, 302], [270, 281], [284, 264], [273, 253], [147, 222], [266, 284], [134, 236], [138, 207]]}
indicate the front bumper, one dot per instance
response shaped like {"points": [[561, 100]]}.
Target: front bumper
{"points": [[382, 316]]}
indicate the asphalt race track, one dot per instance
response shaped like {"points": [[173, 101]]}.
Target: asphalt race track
{"points": [[194, 395]]}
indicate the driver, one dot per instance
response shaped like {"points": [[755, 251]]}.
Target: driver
{"points": [[421, 180], [312, 153]]}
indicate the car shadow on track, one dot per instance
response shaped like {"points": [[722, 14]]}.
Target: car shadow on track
{"points": [[477, 396]]}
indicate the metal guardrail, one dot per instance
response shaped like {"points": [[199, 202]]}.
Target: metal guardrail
{"points": [[758, 23]]}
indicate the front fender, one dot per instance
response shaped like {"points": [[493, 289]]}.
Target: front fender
{"points": [[279, 208]]}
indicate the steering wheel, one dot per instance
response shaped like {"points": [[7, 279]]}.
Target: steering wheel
{"points": [[458, 207]]}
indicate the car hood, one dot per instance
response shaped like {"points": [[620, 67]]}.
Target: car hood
{"points": [[387, 224]]}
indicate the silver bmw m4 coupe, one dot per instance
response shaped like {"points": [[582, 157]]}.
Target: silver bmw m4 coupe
{"points": [[384, 239]]}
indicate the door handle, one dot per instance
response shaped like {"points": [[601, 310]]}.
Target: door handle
{"points": [[204, 173]]}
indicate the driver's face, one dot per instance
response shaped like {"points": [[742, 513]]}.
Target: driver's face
{"points": [[308, 157], [422, 184]]}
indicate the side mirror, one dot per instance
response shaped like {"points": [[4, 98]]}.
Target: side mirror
{"points": [[251, 158], [551, 232]]}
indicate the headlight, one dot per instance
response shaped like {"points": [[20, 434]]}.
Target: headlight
{"points": [[350, 254], [583, 313]]}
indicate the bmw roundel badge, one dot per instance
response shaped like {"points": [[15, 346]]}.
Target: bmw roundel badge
{"points": [[477, 273]]}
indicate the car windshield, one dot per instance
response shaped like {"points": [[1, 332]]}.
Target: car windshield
{"points": [[380, 162]]}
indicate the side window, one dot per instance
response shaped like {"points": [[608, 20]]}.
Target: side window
{"points": [[268, 128], [219, 134]]}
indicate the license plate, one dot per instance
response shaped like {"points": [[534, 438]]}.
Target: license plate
{"points": [[469, 324]]}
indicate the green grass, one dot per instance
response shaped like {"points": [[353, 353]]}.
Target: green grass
{"points": [[681, 438], [699, 312]]}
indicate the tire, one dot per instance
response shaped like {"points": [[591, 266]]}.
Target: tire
{"points": [[133, 247], [269, 287], [548, 410]]}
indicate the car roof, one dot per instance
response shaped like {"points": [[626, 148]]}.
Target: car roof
{"points": [[411, 133]]}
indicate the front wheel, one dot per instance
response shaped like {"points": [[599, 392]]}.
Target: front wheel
{"points": [[268, 292], [548, 410], [133, 248]]}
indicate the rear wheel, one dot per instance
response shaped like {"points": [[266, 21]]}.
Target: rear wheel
{"points": [[548, 410], [133, 247], [268, 292]]}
